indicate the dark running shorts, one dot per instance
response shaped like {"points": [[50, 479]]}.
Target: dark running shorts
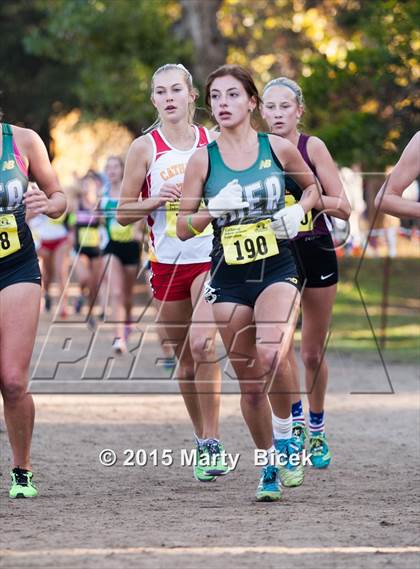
{"points": [[22, 272], [242, 284], [316, 261], [128, 253]]}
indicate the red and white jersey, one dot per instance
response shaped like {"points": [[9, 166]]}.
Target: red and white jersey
{"points": [[168, 165]]}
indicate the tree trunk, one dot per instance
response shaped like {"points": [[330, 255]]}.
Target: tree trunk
{"points": [[199, 24]]}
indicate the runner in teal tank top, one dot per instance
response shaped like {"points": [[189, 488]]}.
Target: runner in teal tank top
{"points": [[16, 243], [254, 288], [254, 260], [21, 151]]}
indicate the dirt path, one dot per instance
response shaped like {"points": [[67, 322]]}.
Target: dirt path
{"points": [[361, 512]]}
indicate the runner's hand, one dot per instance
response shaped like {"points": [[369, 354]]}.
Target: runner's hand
{"points": [[286, 221], [36, 201], [169, 192], [229, 198]]}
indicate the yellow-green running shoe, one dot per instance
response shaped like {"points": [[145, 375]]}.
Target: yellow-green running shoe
{"points": [[199, 468], [269, 486], [22, 486], [290, 463], [214, 455], [320, 453]]}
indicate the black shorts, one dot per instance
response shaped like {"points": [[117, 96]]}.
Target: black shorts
{"points": [[128, 253], [316, 261], [26, 271], [242, 284], [90, 252]]}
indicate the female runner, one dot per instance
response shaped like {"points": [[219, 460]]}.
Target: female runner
{"points": [[22, 152], [122, 256], [283, 107], [155, 164], [88, 265], [254, 287]]}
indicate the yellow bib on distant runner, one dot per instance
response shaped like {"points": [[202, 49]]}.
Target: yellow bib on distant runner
{"points": [[247, 243], [9, 238], [172, 210], [307, 223], [121, 233], [89, 237]]}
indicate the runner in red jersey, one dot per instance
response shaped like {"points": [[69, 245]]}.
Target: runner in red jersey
{"points": [[156, 163]]}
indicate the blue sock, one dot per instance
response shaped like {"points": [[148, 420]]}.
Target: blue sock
{"points": [[316, 422], [297, 412]]}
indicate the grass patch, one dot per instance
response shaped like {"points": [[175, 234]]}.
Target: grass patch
{"points": [[350, 327]]}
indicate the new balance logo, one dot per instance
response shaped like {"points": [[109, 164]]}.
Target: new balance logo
{"points": [[8, 165], [264, 164]]}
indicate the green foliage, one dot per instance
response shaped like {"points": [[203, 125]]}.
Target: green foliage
{"points": [[32, 87], [354, 60], [114, 46]]}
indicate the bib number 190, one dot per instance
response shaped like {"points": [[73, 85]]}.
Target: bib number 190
{"points": [[252, 248]]}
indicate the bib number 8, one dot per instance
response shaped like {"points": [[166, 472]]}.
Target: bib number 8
{"points": [[9, 238], [4, 240]]}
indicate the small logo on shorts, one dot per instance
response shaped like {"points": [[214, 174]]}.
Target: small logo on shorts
{"points": [[293, 280], [210, 293], [323, 277]]}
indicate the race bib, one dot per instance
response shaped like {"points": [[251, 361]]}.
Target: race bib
{"points": [[247, 243], [307, 223], [9, 238], [89, 237], [120, 233], [172, 210]]}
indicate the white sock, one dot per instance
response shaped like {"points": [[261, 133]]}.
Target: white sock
{"points": [[282, 428], [199, 441]]}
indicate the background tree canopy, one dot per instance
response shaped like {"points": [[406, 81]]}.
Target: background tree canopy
{"points": [[355, 60]]}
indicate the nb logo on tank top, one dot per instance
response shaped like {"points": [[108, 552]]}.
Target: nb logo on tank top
{"points": [[8, 165], [264, 164]]}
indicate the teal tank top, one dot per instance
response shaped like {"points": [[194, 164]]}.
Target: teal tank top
{"points": [[263, 186], [16, 241]]}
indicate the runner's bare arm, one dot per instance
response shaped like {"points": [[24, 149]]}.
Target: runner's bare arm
{"points": [[49, 197], [295, 166], [192, 194], [335, 201], [407, 169], [131, 207]]}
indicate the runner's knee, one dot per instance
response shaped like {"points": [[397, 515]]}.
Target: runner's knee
{"points": [[13, 386], [255, 398], [271, 361], [312, 359], [202, 348]]}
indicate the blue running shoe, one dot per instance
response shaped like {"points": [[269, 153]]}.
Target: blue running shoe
{"points": [[320, 453], [269, 487], [291, 467]]}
